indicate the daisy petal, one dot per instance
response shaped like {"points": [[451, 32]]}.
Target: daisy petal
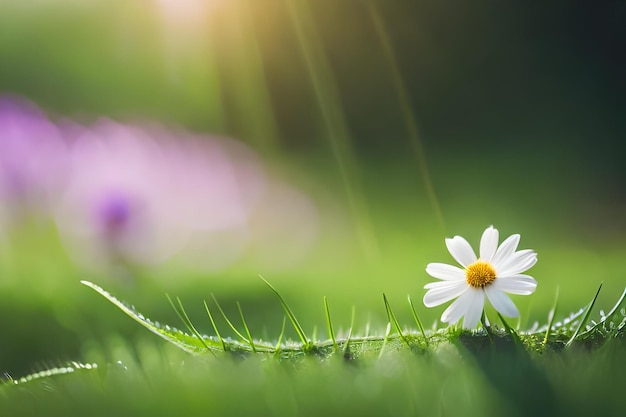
{"points": [[518, 262], [445, 272], [442, 284], [514, 286], [505, 250], [462, 305], [437, 296], [522, 277], [472, 316], [501, 302], [461, 251], [488, 243], [513, 258]]}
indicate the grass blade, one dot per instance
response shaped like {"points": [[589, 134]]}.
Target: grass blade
{"points": [[329, 324], [346, 347], [551, 317], [485, 323], [387, 333], [336, 127], [406, 110], [292, 317], [510, 331], [217, 332], [394, 321], [583, 321], [70, 368], [417, 320], [245, 326], [280, 337], [230, 324]]}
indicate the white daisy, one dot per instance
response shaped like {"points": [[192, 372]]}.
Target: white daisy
{"points": [[497, 270]]}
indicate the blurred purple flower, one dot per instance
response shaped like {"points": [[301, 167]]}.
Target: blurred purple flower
{"points": [[116, 206], [141, 194], [32, 156]]}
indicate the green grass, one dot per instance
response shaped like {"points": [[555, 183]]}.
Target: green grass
{"points": [[431, 372]]}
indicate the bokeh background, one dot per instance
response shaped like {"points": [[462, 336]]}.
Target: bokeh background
{"points": [[378, 127]]}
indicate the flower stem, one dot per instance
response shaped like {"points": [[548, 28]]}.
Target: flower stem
{"points": [[483, 320]]}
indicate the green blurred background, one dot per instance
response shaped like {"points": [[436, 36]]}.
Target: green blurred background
{"points": [[511, 112]]}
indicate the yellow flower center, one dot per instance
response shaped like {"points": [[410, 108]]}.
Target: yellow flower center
{"points": [[480, 274]]}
